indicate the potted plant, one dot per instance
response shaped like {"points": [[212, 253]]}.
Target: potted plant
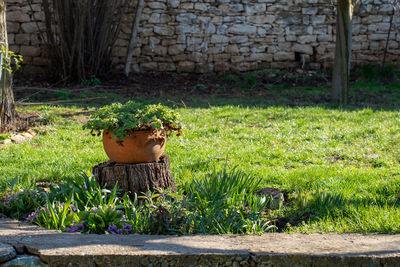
{"points": [[133, 132]]}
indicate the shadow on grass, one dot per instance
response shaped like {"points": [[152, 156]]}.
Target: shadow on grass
{"points": [[324, 204], [205, 91]]}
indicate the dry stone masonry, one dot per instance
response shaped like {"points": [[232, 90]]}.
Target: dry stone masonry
{"points": [[228, 35]]}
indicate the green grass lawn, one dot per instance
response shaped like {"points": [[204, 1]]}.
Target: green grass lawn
{"points": [[339, 166]]}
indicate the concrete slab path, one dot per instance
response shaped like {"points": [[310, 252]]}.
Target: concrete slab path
{"points": [[275, 249]]}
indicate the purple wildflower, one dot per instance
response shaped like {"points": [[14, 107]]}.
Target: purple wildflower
{"points": [[72, 206], [73, 229], [112, 229], [128, 228], [31, 217], [81, 226]]}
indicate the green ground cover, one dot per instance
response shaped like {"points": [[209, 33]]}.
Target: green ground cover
{"points": [[339, 166]]}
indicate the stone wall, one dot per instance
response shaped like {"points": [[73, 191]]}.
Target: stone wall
{"points": [[229, 35]]}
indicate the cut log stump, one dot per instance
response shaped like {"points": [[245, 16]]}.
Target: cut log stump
{"points": [[135, 178]]}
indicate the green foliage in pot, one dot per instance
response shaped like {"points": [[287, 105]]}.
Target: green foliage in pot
{"points": [[123, 119]]}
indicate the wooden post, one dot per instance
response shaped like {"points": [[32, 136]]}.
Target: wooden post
{"points": [[135, 178]]}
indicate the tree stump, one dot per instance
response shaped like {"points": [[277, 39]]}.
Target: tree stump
{"points": [[135, 178]]}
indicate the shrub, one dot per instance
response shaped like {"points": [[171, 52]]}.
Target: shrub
{"points": [[371, 72], [123, 119]]}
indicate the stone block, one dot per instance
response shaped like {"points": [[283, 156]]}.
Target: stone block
{"points": [[232, 49], [325, 38], [156, 5], [377, 36], [149, 66], [221, 67], [216, 39], [163, 30], [22, 39], [255, 8], [39, 16], [237, 59], [242, 29], [13, 27], [166, 67], [283, 56], [239, 39], [18, 16], [173, 3], [222, 57], [235, 8], [319, 19], [244, 49], [261, 32], [186, 66], [154, 18], [176, 49], [261, 57], [310, 10], [262, 19], [39, 61], [31, 27], [187, 6], [222, 29], [201, 6], [299, 30], [303, 48], [287, 17], [204, 68], [306, 39], [30, 51], [188, 29], [186, 18]]}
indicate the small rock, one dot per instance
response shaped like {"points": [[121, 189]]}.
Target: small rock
{"points": [[274, 193], [32, 132], [19, 247], [7, 253], [18, 139], [27, 135], [25, 261], [7, 142]]}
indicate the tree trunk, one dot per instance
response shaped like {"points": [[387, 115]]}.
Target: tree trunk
{"points": [[341, 71], [8, 116], [134, 36], [135, 178]]}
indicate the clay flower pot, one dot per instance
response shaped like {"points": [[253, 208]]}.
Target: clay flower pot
{"points": [[139, 147]]}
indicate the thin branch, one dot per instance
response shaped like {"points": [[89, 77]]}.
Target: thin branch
{"points": [[58, 101], [356, 2], [388, 37]]}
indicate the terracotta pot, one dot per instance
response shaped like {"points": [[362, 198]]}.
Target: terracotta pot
{"points": [[139, 147]]}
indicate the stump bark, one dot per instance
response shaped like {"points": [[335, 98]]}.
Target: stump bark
{"points": [[135, 178]]}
